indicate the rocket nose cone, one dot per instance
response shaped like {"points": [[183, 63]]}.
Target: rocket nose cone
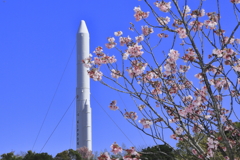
{"points": [[83, 27]]}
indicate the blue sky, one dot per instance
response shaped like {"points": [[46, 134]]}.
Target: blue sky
{"points": [[36, 40]]}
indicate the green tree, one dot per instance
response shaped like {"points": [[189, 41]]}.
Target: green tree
{"points": [[158, 152], [37, 156], [68, 155], [10, 156]]}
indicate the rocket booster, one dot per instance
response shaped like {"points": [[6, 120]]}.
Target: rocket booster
{"points": [[83, 109]]}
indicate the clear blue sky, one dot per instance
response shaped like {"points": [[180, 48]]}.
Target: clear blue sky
{"points": [[36, 40]]}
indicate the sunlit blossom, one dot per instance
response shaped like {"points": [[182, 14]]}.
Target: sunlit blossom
{"points": [[163, 6]]}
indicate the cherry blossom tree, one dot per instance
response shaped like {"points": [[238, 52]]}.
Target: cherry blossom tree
{"points": [[183, 71], [85, 153]]}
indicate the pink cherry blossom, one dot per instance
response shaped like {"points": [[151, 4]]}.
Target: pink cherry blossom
{"points": [[141, 107], [137, 68], [173, 136], [217, 52], [113, 106], [111, 43], [220, 83], [98, 51], [104, 60], [187, 99], [196, 25], [182, 113], [170, 68], [194, 151], [115, 74], [132, 154], [118, 33], [190, 56], [197, 128], [173, 54], [235, 1], [135, 50], [139, 14], [228, 53], [87, 62], [212, 145], [225, 40], [197, 13], [227, 158], [163, 21], [199, 76], [162, 35], [163, 6], [219, 32], [213, 16], [176, 23], [148, 76], [210, 24], [156, 91], [115, 148], [131, 115], [104, 156], [173, 120], [184, 68], [124, 40], [139, 38], [95, 74], [145, 122], [146, 30], [186, 10], [179, 130], [181, 32], [236, 68], [125, 56]]}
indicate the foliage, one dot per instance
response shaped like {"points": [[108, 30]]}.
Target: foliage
{"points": [[68, 155], [158, 152], [192, 89], [65, 155], [10, 156], [37, 156], [184, 148]]}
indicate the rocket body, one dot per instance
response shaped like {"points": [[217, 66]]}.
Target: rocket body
{"points": [[83, 109]]}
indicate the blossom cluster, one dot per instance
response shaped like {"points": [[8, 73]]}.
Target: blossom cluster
{"points": [[95, 74], [163, 21], [170, 65], [113, 106], [116, 148], [139, 14], [163, 6], [131, 153], [111, 43], [212, 145], [146, 122], [115, 73], [146, 30], [137, 68], [134, 51], [131, 115]]}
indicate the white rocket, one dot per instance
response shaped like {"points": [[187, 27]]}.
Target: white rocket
{"points": [[83, 109]]}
